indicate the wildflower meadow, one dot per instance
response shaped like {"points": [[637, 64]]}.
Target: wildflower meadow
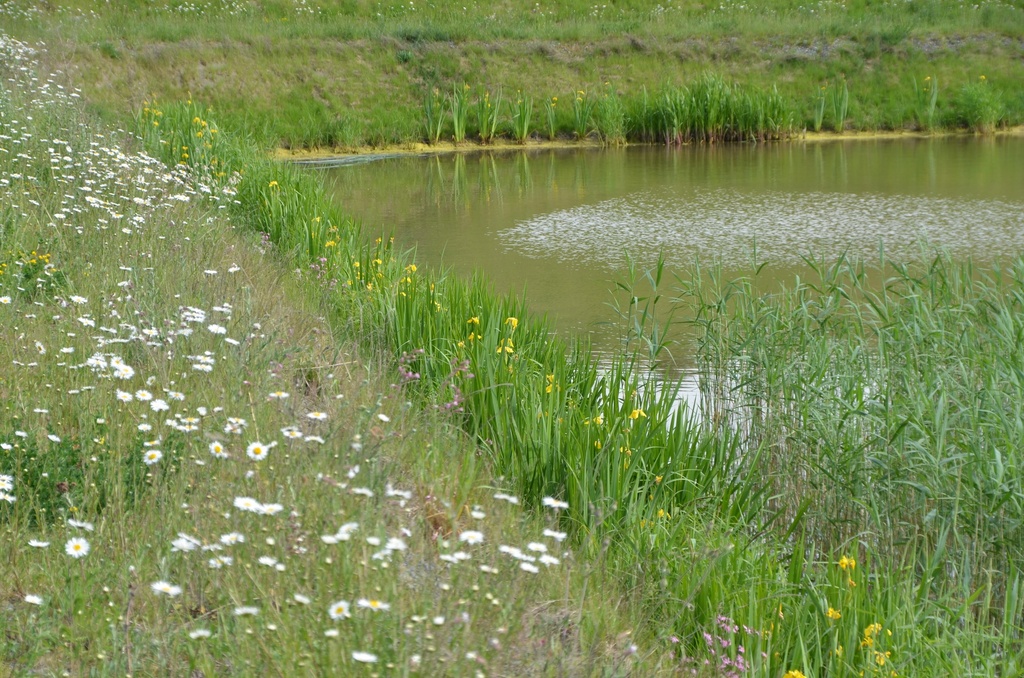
{"points": [[242, 435]]}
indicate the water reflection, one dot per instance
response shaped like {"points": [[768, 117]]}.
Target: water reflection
{"points": [[560, 223]]}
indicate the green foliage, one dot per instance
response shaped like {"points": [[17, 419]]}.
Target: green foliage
{"points": [[819, 107], [487, 115], [925, 99], [610, 118], [520, 111], [108, 50], [458, 107], [582, 114], [860, 415], [978, 106], [840, 99], [550, 117], [711, 110], [433, 116]]}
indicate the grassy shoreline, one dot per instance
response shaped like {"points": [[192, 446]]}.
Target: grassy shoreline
{"points": [[187, 421], [504, 146], [346, 78], [851, 507], [770, 525]]}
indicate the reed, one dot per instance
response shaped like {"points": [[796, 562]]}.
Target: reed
{"points": [[487, 115], [979, 106], [819, 107], [864, 415], [433, 115], [458, 107], [610, 118], [710, 110], [926, 97], [520, 112], [840, 99], [550, 118], [582, 114]]}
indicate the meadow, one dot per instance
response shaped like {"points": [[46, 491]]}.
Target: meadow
{"points": [[243, 436], [202, 474], [349, 75]]}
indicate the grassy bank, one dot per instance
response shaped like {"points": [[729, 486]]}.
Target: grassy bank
{"points": [[824, 516], [355, 74], [202, 474], [848, 504]]}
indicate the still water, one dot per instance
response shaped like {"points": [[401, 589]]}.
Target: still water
{"points": [[561, 224]]}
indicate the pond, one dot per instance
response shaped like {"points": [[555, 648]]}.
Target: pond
{"points": [[560, 224]]}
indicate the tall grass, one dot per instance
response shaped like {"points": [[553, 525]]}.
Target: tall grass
{"points": [[846, 421], [840, 99], [889, 394], [979, 106], [488, 113], [433, 116], [458, 107], [711, 110], [610, 118], [206, 503], [926, 98], [520, 113]]}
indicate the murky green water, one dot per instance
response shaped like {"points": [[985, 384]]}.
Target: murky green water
{"points": [[561, 223]]}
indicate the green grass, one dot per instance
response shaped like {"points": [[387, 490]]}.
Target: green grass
{"points": [[355, 75], [846, 418], [121, 277], [869, 415]]}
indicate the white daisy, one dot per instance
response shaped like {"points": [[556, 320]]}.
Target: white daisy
{"points": [[471, 537], [76, 547], [556, 504], [339, 610], [232, 537], [166, 588], [375, 605], [258, 451]]}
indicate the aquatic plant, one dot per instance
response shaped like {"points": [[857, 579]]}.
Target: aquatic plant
{"points": [[978, 106], [610, 117], [582, 113], [433, 114], [550, 107], [819, 107], [840, 99], [925, 99], [487, 115], [520, 112], [458, 107]]}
